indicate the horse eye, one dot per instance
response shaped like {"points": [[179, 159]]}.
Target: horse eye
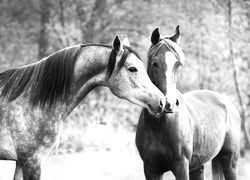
{"points": [[155, 64], [132, 69]]}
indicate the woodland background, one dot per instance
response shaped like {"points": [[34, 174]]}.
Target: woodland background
{"points": [[215, 37]]}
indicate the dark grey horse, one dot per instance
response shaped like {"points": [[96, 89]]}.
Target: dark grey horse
{"points": [[195, 128]]}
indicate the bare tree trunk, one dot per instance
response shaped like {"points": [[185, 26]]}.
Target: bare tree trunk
{"points": [[62, 13], [99, 8], [99, 21], [235, 77], [43, 34], [88, 26], [247, 123], [201, 73]]}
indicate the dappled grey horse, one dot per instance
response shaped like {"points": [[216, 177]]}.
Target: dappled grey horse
{"points": [[36, 98], [195, 128]]}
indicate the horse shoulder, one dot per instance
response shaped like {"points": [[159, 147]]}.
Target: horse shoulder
{"points": [[30, 129]]}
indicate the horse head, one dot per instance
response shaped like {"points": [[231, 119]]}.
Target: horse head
{"points": [[127, 78], [164, 60]]}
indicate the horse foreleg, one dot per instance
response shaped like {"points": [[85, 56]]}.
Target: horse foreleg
{"points": [[181, 169], [18, 172], [31, 169], [197, 174], [150, 173]]}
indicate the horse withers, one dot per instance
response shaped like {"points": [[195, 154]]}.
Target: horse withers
{"points": [[195, 128], [36, 98]]}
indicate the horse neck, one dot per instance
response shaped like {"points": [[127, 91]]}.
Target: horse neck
{"points": [[90, 72]]}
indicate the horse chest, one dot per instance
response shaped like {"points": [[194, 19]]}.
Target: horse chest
{"points": [[157, 149], [158, 155], [159, 142]]}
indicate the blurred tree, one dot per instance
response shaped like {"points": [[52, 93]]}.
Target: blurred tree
{"points": [[232, 11], [62, 19], [96, 21], [197, 38], [235, 75], [246, 6], [18, 29]]}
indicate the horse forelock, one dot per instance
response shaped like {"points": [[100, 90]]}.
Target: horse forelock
{"points": [[46, 81], [112, 59], [172, 46]]}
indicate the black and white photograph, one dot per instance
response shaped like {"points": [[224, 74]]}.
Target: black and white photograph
{"points": [[124, 89]]}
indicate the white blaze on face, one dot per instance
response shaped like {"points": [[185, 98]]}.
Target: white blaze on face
{"points": [[170, 60]]}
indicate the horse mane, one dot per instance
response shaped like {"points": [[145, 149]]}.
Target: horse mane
{"points": [[173, 47], [50, 79]]}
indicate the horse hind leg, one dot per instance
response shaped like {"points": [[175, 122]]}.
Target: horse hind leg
{"points": [[217, 169], [229, 154], [228, 164], [197, 174]]}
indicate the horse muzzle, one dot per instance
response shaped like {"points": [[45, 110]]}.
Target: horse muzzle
{"points": [[157, 109], [171, 105]]}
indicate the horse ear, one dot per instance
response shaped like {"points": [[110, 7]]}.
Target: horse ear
{"points": [[117, 46], [125, 41], [176, 36], [155, 37]]}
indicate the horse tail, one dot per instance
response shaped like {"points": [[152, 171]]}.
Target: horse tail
{"points": [[217, 170]]}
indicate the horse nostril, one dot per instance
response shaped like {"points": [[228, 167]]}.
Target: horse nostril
{"points": [[161, 103], [177, 102], [167, 106]]}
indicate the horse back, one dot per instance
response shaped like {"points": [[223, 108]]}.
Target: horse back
{"points": [[210, 106]]}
